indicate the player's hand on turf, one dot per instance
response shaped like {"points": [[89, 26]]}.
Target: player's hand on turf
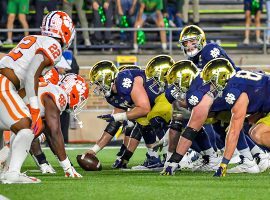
{"points": [[71, 173], [36, 121], [107, 118], [221, 171], [169, 169], [90, 152]]}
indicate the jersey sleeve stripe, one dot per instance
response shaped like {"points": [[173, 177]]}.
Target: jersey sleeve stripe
{"points": [[47, 55]]}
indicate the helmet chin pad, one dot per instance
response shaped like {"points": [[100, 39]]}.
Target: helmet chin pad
{"points": [[192, 53]]}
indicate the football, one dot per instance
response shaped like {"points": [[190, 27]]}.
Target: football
{"points": [[89, 162]]}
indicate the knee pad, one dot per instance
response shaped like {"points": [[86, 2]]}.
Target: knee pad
{"points": [[159, 125], [176, 125], [112, 128], [136, 132], [128, 131], [190, 133], [148, 135]]}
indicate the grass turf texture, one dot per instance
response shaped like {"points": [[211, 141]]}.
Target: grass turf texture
{"points": [[116, 184]]}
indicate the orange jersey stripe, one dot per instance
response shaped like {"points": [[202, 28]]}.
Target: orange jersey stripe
{"points": [[10, 112], [13, 100]]}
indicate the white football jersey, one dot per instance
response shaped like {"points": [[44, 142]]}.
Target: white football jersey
{"points": [[56, 93], [19, 58]]}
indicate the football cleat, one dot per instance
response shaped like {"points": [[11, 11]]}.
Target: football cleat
{"points": [[150, 163], [46, 168], [245, 166], [262, 161], [119, 164], [18, 178], [209, 163]]}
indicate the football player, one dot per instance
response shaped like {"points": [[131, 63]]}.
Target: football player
{"points": [[201, 96], [193, 43], [72, 92], [181, 115], [131, 89], [21, 68]]}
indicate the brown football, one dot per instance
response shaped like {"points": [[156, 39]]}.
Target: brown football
{"points": [[89, 162]]}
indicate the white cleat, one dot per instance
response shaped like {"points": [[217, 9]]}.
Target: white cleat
{"points": [[46, 168], [189, 160], [245, 166], [209, 163], [18, 178], [262, 161]]}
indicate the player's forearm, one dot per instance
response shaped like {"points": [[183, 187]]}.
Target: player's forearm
{"points": [[104, 140], [137, 112], [31, 82], [58, 146]]}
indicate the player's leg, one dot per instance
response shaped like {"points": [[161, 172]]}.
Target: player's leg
{"points": [[14, 114]]}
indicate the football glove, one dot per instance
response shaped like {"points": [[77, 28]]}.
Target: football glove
{"points": [[71, 173], [36, 121], [169, 169], [221, 171], [114, 117]]}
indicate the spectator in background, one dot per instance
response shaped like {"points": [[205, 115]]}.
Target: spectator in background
{"points": [[127, 9], [20, 7], [196, 14], [3, 11], [103, 16], [268, 21], [40, 5], [150, 9], [68, 7], [174, 12], [253, 7]]}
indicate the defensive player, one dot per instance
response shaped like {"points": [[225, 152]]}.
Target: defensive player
{"points": [[21, 68]]}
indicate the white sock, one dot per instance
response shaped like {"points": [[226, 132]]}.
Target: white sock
{"points": [[209, 152], [164, 46], [20, 148], [256, 150], [152, 153], [4, 154], [135, 46], [246, 153], [12, 137]]}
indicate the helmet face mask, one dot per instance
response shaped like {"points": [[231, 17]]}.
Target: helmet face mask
{"points": [[180, 75], [102, 76], [156, 70], [192, 40], [217, 73], [77, 91]]}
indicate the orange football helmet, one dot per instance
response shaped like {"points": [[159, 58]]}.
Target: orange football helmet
{"points": [[77, 91], [50, 76], [58, 24]]}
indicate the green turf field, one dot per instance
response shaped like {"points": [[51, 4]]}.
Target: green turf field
{"points": [[116, 184]]}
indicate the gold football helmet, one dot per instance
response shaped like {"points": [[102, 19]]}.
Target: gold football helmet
{"points": [[217, 72], [102, 75], [196, 36], [157, 68], [124, 67], [181, 74]]}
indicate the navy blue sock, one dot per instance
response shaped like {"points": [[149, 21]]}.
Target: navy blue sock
{"points": [[203, 140], [211, 135], [242, 142]]}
